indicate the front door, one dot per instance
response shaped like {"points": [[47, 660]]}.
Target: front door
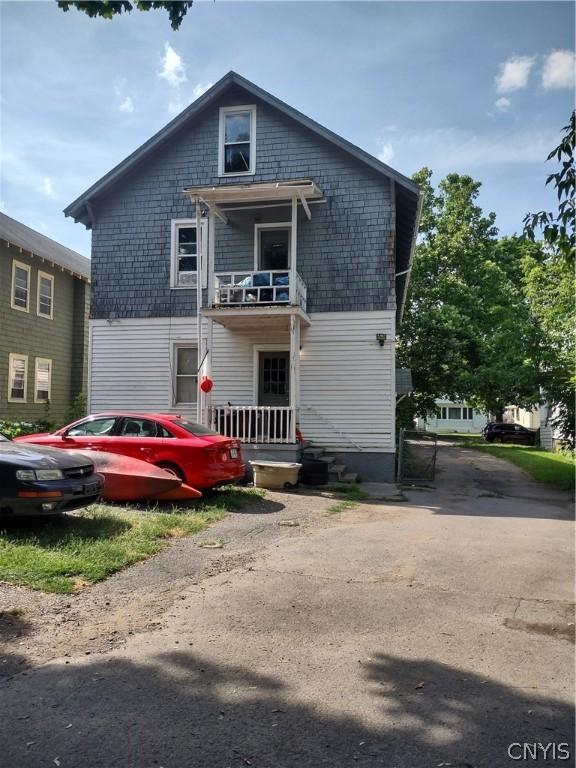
{"points": [[274, 379]]}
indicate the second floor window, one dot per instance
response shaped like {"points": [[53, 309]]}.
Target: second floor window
{"points": [[237, 140], [45, 294], [20, 286]]}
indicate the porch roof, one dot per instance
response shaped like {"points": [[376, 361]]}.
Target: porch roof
{"points": [[259, 192]]}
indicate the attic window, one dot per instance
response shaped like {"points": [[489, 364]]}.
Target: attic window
{"points": [[237, 141]]}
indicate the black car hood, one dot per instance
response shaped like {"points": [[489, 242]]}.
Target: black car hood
{"points": [[24, 455]]}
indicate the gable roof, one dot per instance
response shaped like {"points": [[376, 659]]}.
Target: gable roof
{"points": [[28, 239], [79, 208]]}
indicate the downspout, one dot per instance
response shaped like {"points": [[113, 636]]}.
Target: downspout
{"points": [[200, 393]]}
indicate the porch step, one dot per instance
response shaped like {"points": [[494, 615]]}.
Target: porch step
{"points": [[327, 459], [350, 477], [337, 470], [313, 453]]}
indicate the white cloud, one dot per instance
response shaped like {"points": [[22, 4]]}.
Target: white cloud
{"points": [[559, 70], [127, 105], [200, 88], [514, 73], [173, 70], [175, 106], [502, 103], [386, 154], [47, 187]]}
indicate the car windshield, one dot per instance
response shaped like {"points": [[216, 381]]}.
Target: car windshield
{"points": [[195, 429]]}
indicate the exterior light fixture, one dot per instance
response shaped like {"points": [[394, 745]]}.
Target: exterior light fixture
{"points": [[381, 338]]}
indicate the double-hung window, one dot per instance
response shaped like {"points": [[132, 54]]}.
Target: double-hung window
{"points": [[184, 269], [20, 286], [45, 295], [17, 378], [185, 367], [237, 150], [43, 380]]}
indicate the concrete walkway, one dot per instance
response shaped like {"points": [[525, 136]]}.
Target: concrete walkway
{"points": [[434, 632]]}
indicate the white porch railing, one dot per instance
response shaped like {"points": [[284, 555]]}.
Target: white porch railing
{"points": [[254, 423], [257, 288]]}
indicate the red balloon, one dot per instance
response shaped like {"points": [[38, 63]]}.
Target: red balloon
{"points": [[206, 384]]}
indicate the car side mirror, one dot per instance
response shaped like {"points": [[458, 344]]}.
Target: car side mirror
{"points": [[67, 437]]}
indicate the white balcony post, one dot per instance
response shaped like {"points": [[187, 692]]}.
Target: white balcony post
{"points": [[199, 250], [211, 250], [294, 373], [293, 238]]}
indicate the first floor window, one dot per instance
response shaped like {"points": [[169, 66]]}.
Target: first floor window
{"points": [[185, 254], [185, 375], [443, 413], [20, 286], [454, 413], [45, 294], [17, 378], [467, 413], [43, 380]]}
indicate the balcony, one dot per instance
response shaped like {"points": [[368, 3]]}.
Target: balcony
{"points": [[254, 423], [262, 288]]}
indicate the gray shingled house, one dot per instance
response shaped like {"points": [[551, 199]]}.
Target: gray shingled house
{"points": [[44, 301], [292, 245]]}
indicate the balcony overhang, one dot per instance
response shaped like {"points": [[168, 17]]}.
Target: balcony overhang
{"points": [[215, 198], [256, 318]]}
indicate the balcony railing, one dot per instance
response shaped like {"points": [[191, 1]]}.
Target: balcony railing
{"points": [[257, 288], [254, 423]]}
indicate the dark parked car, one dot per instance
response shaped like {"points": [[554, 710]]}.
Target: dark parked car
{"points": [[44, 481], [503, 432]]}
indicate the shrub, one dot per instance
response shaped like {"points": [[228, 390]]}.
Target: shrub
{"points": [[10, 428]]}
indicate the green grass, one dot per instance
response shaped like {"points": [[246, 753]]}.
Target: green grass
{"points": [[350, 491], [544, 466], [63, 554]]}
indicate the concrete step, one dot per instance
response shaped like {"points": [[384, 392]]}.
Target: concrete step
{"points": [[313, 453], [337, 470], [327, 459], [350, 477]]}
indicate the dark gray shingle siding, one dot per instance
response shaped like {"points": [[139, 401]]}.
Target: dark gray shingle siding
{"points": [[345, 254]]}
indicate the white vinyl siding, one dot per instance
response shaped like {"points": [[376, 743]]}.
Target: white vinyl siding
{"points": [[346, 382]]}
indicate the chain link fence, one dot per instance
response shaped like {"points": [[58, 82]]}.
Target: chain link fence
{"points": [[417, 453]]}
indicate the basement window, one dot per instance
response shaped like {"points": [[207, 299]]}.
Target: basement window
{"points": [[237, 146]]}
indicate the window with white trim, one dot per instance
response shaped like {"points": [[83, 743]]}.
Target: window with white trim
{"points": [[17, 378], [184, 258], [185, 383], [45, 295], [20, 286], [43, 380], [467, 414], [237, 148]]}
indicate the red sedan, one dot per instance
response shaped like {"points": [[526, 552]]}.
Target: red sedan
{"points": [[200, 457]]}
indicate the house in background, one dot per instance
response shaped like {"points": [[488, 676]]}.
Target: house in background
{"points": [[44, 303], [247, 246], [454, 417]]}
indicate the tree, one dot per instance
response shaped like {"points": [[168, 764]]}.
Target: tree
{"points": [[558, 229], [467, 332], [107, 9], [549, 286]]}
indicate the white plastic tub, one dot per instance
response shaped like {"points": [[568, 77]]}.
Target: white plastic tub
{"points": [[275, 474]]}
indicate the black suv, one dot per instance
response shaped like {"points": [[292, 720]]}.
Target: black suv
{"points": [[503, 432]]}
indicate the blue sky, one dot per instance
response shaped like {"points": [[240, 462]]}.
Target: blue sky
{"points": [[480, 88]]}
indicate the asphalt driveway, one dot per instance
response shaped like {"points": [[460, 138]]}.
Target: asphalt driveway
{"points": [[434, 632]]}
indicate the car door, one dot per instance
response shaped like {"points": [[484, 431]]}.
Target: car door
{"points": [[138, 438], [95, 434], [521, 435]]}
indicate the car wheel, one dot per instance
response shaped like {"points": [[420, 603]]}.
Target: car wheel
{"points": [[173, 469], [497, 440]]}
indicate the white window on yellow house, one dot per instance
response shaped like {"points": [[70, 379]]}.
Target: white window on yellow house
{"points": [[17, 378], [20, 297], [43, 380], [45, 303]]}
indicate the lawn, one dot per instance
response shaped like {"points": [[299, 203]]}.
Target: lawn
{"points": [[546, 467], [64, 554]]}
